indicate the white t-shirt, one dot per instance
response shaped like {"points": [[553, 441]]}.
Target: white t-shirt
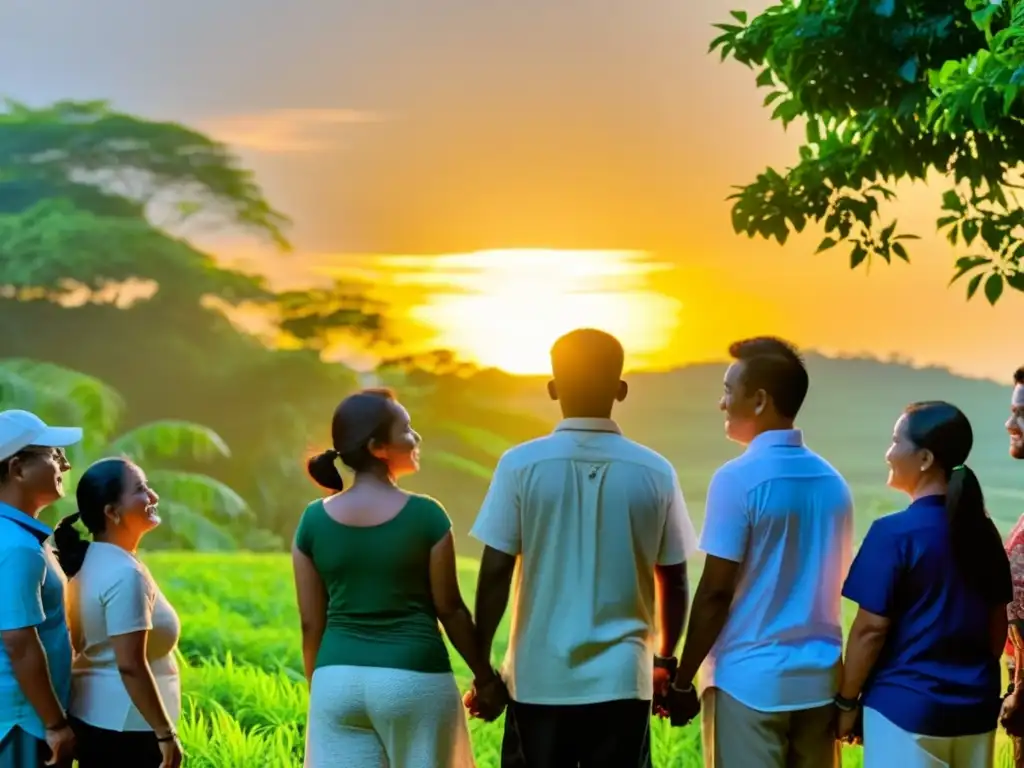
{"points": [[114, 594], [589, 513], [786, 515]]}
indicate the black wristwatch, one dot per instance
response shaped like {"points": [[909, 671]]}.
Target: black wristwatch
{"points": [[671, 663], [845, 705]]}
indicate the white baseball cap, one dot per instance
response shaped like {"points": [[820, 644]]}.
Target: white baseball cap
{"points": [[20, 429]]}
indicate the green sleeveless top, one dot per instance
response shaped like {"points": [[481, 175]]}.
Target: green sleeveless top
{"points": [[380, 612]]}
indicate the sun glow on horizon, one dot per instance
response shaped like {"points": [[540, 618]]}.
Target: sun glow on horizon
{"points": [[505, 308]]}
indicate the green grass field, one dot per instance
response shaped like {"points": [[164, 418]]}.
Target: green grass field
{"points": [[245, 697]]}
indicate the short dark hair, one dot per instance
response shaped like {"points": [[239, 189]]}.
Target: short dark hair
{"points": [[587, 353], [776, 367], [1018, 375], [587, 366]]}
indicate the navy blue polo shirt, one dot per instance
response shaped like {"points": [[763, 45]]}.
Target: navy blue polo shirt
{"points": [[936, 675]]}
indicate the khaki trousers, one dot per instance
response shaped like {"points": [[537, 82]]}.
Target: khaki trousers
{"points": [[736, 736]]}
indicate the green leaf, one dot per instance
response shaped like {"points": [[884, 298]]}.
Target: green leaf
{"points": [[825, 244], [972, 286], [740, 16], [967, 263], [158, 441], [969, 229], [1016, 281], [951, 201], [857, 256], [199, 493], [994, 287], [900, 251], [765, 79]]}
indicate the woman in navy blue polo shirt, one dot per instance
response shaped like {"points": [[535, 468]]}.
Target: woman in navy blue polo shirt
{"points": [[932, 583]]}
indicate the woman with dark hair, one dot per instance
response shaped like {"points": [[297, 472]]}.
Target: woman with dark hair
{"points": [[374, 573], [932, 583], [125, 691]]}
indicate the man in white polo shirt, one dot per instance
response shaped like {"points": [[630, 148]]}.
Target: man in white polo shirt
{"points": [[597, 524], [778, 530]]}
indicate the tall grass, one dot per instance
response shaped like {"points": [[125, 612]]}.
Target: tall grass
{"points": [[245, 696]]}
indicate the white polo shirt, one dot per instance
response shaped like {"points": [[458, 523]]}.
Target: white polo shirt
{"points": [[786, 515], [589, 513]]}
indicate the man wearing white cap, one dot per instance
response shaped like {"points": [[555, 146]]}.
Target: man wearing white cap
{"points": [[35, 652]]}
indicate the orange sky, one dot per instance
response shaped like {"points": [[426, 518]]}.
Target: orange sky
{"points": [[400, 127]]}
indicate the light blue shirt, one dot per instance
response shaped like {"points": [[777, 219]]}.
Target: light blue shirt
{"points": [[32, 595], [786, 515]]}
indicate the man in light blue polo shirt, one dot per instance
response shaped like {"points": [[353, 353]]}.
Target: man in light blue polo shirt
{"points": [[766, 618], [35, 652]]}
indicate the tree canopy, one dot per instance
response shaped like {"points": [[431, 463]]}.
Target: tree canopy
{"points": [[892, 90]]}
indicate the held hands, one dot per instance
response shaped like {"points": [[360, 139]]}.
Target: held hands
{"points": [[679, 703], [487, 699], [61, 741]]}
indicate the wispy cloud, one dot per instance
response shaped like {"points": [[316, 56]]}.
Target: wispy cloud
{"points": [[287, 130]]}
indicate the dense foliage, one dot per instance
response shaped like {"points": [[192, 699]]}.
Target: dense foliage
{"points": [[892, 90], [99, 276]]}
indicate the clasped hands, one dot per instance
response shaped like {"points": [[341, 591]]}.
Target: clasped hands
{"points": [[680, 704], [487, 699]]}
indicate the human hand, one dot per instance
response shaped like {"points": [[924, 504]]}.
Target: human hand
{"points": [[1011, 715], [487, 699], [846, 724], [61, 741], [170, 753], [662, 680], [683, 704]]}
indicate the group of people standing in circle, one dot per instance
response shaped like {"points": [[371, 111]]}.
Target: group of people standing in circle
{"points": [[87, 659], [587, 535]]}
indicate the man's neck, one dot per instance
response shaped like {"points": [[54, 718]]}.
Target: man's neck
{"points": [[17, 501], [775, 425]]}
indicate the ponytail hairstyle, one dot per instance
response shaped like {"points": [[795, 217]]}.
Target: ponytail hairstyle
{"points": [[359, 420], [101, 486], [978, 552]]}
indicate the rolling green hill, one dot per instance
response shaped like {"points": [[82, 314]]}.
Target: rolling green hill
{"points": [[848, 418]]}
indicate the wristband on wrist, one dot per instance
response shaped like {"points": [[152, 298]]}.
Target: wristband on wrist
{"points": [[844, 704], [171, 736], [666, 662], [60, 725]]}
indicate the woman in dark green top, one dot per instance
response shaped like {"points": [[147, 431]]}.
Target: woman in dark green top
{"points": [[375, 574]]}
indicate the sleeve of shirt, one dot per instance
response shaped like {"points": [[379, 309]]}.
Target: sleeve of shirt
{"points": [[498, 523], [875, 572], [303, 534], [679, 538], [726, 518], [21, 599], [436, 521], [128, 603]]}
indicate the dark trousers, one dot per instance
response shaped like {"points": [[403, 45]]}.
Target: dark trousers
{"points": [[611, 734], [100, 748]]}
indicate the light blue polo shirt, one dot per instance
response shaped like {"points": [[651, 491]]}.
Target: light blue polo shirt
{"points": [[32, 595], [786, 516]]}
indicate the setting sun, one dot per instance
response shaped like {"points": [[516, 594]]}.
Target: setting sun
{"points": [[505, 308]]}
